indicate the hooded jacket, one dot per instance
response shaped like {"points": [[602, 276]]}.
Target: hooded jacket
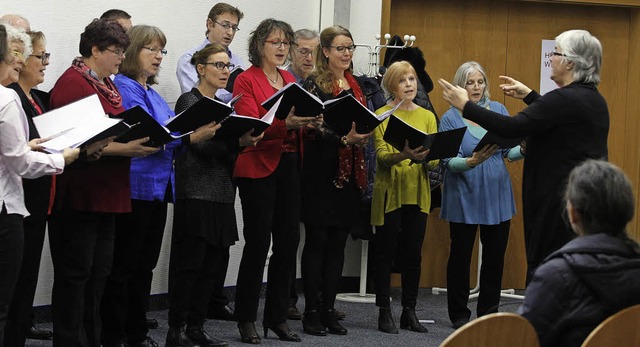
{"points": [[579, 286]]}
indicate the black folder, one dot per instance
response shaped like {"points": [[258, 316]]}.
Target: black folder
{"points": [[235, 125], [494, 139], [232, 78], [205, 111], [307, 104], [441, 145], [142, 125], [341, 112]]}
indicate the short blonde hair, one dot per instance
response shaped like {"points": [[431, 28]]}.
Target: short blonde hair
{"points": [[393, 75]]}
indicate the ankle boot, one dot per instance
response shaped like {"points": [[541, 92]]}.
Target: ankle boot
{"points": [[176, 337], [331, 322], [312, 325], [385, 321], [409, 320]]}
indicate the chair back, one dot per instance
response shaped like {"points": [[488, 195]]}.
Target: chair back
{"points": [[500, 329], [621, 329]]}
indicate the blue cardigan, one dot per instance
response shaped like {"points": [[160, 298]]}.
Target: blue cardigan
{"points": [[482, 195], [151, 175]]}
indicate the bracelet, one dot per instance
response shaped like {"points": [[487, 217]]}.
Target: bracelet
{"points": [[344, 140]]}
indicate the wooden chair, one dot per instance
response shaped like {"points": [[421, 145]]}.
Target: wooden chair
{"points": [[621, 329], [494, 330]]}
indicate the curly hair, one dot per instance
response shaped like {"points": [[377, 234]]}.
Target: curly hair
{"points": [[102, 33], [323, 76], [261, 33]]}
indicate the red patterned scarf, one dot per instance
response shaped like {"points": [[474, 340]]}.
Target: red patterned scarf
{"points": [[351, 157], [105, 88]]}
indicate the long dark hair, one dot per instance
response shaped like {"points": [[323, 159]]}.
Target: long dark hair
{"points": [[603, 197]]}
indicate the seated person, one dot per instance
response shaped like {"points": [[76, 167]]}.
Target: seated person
{"points": [[598, 273]]}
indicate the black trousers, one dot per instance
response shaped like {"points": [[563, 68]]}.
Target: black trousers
{"points": [[11, 247], [271, 210], [403, 232], [494, 240], [82, 253], [193, 268], [322, 262], [20, 314], [218, 298], [138, 239]]}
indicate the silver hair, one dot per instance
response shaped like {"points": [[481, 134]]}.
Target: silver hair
{"points": [[585, 52], [306, 34], [14, 34], [466, 69]]}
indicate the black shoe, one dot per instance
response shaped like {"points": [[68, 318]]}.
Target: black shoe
{"points": [[312, 325], [152, 323], [385, 321], [248, 333], [409, 320], [458, 323], [148, 342], [339, 314], [35, 333], [176, 337], [198, 336], [293, 313], [282, 330], [331, 322], [221, 313]]}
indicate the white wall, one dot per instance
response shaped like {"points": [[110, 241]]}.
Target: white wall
{"points": [[184, 25]]}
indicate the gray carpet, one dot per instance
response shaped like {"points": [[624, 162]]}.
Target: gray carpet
{"points": [[361, 322]]}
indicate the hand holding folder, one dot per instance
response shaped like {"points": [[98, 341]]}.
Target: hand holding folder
{"points": [[494, 139]]}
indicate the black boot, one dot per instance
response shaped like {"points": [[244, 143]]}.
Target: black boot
{"points": [[312, 325], [409, 320], [385, 321], [331, 322], [202, 338], [176, 337]]}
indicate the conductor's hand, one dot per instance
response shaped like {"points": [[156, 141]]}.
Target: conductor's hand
{"points": [[295, 122], [480, 156], [248, 140], [514, 88], [353, 138], [456, 96], [70, 154], [416, 154], [204, 132]]}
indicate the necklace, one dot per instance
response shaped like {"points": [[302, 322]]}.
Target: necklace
{"points": [[269, 78]]}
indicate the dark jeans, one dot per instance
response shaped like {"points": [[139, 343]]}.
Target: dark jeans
{"points": [[11, 246], [270, 209], [82, 253], [322, 261], [404, 228], [494, 240], [138, 239]]}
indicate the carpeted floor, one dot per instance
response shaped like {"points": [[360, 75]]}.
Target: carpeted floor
{"points": [[361, 322]]}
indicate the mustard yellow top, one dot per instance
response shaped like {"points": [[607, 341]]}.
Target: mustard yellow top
{"points": [[401, 183]]}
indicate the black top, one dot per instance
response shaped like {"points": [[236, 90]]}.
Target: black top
{"points": [[564, 128]]}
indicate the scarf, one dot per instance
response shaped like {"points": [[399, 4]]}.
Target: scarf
{"points": [[351, 157], [107, 89]]}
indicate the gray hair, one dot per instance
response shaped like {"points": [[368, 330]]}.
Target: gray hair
{"points": [[585, 52], [466, 69], [306, 34], [14, 34]]}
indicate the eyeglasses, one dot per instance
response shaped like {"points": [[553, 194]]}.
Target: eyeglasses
{"points": [[278, 44], [156, 50], [118, 52], [220, 65], [304, 52], [341, 49], [471, 84], [558, 54], [44, 57], [19, 55], [227, 26]]}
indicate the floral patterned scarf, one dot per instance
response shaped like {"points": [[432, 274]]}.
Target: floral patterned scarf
{"points": [[105, 88], [351, 157]]}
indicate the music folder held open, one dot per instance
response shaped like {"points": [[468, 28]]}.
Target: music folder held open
{"points": [[441, 145], [494, 139], [236, 125], [204, 111], [144, 125], [345, 110]]}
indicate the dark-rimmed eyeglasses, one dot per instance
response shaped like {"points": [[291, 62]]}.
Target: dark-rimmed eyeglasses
{"points": [[342, 49], [227, 26], [278, 44], [156, 50], [118, 52], [44, 57], [558, 54], [220, 65]]}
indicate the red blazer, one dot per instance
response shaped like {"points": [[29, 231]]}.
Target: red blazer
{"points": [[97, 186], [262, 160]]}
